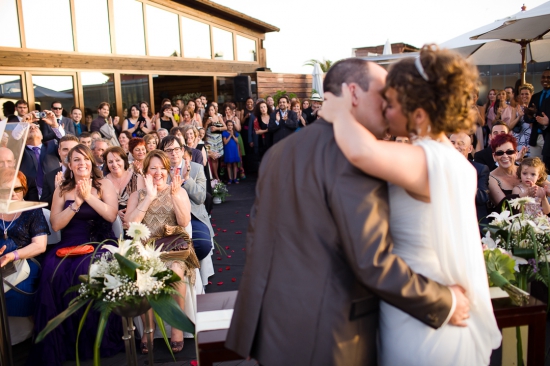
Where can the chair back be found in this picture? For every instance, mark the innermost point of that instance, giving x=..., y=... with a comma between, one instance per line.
x=55, y=236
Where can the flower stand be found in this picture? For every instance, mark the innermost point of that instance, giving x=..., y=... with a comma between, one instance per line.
x=128, y=313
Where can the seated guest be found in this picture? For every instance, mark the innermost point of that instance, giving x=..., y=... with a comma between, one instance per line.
x=504, y=178
x=54, y=178
x=192, y=139
x=25, y=237
x=138, y=151
x=150, y=142
x=162, y=132
x=98, y=148
x=124, y=180
x=83, y=208
x=463, y=143
x=179, y=132
x=485, y=156
x=123, y=140
x=85, y=139
x=158, y=205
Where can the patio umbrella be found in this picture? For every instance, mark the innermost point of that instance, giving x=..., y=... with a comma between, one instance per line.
x=520, y=38
x=317, y=80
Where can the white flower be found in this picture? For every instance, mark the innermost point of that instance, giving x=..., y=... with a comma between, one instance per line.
x=144, y=281
x=138, y=231
x=123, y=247
x=518, y=262
x=487, y=240
x=499, y=217
x=111, y=282
x=149, y=251
x=518, y=203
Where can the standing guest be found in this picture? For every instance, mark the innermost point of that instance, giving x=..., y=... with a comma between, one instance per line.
x=179, y=133
x=282, y=122
x=96, y=135
x=510, y=96
x=231, y=151
x=85, y=138
x=22, y=108
x=463, y=144
x=188, y=119
x=176, y=113
x=204, y=101
x=504, y=111
x=150, y=142
x=65, y=122
x=146, y=115
x=102, y=119
x=262, y=112
x=504, y=178
x=76, y=116
x=84, y=207
x=270, y=102
x=295, y=106
x=202, y=135
x=194, y=111
x=162, y=133
x=166, y=119
x=199, y=108
x=522, y=130
x=485, y=156
x=192, y=139
x=489, y=108
x=166, y=101
x=88, y=119
x=54, y=178
x=305, y=104
x=247, y=125
x=214, y=126
x=124, y=140
x=312, y=112
x=98, y=148
x=125, y=181
x=538, y=102
x=135, y=123
x=477, y=129
x=138, y=152
x=230, y=115
x=180, y=104
x=8, y=109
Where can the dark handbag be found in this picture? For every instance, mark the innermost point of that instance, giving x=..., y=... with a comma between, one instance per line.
x=176, y=243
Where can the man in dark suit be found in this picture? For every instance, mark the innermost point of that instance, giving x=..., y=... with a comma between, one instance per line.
x=485, y=156
x=283, y=121
x=319, y=252
x=39, y=157
x=22, y=108
x=7, y=160
x=54, y=177
x=104, y=118
x=64, y=122
x=539, y=129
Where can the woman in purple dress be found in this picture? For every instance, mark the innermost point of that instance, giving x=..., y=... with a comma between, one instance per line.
x=83, y=208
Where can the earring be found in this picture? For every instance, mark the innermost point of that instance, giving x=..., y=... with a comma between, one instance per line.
x=71, y=174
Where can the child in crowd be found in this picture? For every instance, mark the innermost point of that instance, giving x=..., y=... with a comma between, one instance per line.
x=231, y=151
x=532, y=174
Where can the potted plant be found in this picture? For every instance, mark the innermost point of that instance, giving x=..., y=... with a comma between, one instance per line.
x=219, y=191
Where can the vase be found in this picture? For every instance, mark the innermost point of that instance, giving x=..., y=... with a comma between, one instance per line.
x=132, y=310
x=217, y=200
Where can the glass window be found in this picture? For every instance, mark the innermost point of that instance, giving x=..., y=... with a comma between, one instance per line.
x=196, y=39
x=48, y=89
x=98, y=88
x=246, y=49
x=92, y=26
x=162, y=32
x=135, y=89
x=223, y=44
x=10, y=24
x=57, y=34
x=225, y=90
x=10, y=92
x=129, y=30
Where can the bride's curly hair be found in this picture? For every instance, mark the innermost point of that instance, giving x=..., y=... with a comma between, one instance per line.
x=446, y=95
x=69, y=182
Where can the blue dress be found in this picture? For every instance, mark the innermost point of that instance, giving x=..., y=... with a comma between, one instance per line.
x=231, y=149
x=29, y=225
x=57, y=276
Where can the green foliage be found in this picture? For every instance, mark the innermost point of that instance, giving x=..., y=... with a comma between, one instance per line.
x=162, y=328
x=496, y=261
x=185, y=97
x=279, y=94
x=169, y=311
x=52, y=324
x=127, y=267
x=325, y=64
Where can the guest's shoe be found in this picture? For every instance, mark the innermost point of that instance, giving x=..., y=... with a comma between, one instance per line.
x=236, y=181
x=143, y=347
x=229, y=182
x=176, y=346
x=242, y=176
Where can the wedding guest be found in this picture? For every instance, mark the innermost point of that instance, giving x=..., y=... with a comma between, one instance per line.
x=189, y=119
x=402, y=139
x=485, y=156
x=231, y=151
x=124, y=140
x=214, y=126
x=270, y=102
x=489, y=108
x=230, y=115
x=162, y=133
x=522, y=130
x=166, y=119
x=135, y=123
x=96, y=135
x=194, y=112
x=151, y=142
x=85, y=138
x=504, y=178
x=262, y=112
x=540, y=102
x=66, y=123
x=83, y=208
x=76, y=116
x=305, y=104
x=98, y=147
x=532, y=174
x=295, y=106
x=312, y=111
x=192, y=139
x=159, y=205
x=103, y=119
x=176, y=113
x=283, y=121
x=88, y=119
x=146, y=115
x=138, y=151
x=200, y=108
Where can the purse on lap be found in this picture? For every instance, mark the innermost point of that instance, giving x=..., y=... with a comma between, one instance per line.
x=22, y=272
x=176, y=243
x=74, y=251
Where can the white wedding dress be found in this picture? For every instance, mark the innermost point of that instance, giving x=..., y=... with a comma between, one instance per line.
x=441, y=241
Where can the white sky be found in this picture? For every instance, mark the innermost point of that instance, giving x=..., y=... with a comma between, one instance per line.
x=330, y=29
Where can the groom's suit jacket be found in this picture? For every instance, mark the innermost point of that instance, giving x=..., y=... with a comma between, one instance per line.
x=319, y=260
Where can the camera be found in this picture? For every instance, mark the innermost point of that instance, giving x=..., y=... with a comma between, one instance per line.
x=40, y=115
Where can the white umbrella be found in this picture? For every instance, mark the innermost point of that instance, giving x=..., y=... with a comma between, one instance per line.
x=317, y=80
x=387, y=48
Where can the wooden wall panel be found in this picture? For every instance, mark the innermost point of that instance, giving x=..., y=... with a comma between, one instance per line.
x=269, y=83
x=170, y=86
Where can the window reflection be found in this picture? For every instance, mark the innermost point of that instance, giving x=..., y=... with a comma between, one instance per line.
x=48, y=89
x=162, y=32
x=54, y=34
x=129, y=30
x=225, y=89
x=246, y=49
x=98, y=88
x=92, y=26
x=135, y=88
x=196, y=39
x=10, y=92
x=10, y=24
x=223, y=44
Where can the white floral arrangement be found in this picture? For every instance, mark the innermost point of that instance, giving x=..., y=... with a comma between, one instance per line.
x=219, y=189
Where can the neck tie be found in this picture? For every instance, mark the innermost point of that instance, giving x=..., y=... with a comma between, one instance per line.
x=39, y=172
x=545, y=94
x=59, y=121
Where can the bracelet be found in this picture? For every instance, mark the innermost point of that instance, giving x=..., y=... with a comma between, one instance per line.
x=73, y=209
x=140, y=209
x=15, y=255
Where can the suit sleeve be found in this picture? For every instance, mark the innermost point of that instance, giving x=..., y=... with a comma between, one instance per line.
x=47, y=132
x=32, y=193
x=273, y=126
x=292, y=121
x=47, y=191
x=196, y=187
x=360, y=209
x=94, y=126
x=482, y=193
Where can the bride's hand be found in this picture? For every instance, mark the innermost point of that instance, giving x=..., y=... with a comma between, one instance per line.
x=462, y=309
x=334, y=106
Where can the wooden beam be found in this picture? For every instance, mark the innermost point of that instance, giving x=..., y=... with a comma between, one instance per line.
x=73, y=24
x=212, y=53
x=21, y=24
x=145, y=34
x=180, y=27
x=215, y=88
x=111, y=11
x=30, y=91
x=151, y=94
x=118, y=94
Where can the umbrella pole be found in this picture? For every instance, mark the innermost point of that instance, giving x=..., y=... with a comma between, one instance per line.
x=523, y=60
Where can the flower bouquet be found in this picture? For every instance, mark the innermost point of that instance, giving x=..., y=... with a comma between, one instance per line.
x=219, y=190
x=129, y=279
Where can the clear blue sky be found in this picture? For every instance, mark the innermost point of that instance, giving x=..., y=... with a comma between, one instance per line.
x=330, y=29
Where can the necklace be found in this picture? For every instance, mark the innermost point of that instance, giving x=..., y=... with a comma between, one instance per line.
x=4, y=224
x=117, y=181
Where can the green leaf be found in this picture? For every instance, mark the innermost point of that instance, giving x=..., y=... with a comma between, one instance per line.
x=162, y=328
x=99, y=336
x=498, y=263
x=525, y=253
x=169, y=310
x=127, y=266
x=54, y=323
x=82, y=320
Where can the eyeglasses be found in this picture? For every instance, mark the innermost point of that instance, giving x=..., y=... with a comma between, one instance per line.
x=176, y=150
x=15, y=190
x=57, y=108
x=507, y=152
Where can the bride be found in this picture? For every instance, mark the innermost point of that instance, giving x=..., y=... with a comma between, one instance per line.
x=431, y=191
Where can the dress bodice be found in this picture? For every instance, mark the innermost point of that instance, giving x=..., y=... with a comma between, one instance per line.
x=87, y=224
x=160, y=212
x=21, y=230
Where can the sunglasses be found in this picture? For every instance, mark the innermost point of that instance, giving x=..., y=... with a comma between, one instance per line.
x=507, y=152
x=57, y=108
x=15, y=190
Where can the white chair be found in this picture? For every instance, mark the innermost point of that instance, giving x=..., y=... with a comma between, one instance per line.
x=55, y=236
x=117, y=227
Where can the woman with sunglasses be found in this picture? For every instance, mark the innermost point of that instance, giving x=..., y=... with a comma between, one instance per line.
x=503, y=179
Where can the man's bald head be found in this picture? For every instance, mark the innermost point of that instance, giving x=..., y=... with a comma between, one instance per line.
x=7, y=159
x=462, y=142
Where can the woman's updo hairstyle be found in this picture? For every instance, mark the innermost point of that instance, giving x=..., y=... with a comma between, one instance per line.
x=442, y=83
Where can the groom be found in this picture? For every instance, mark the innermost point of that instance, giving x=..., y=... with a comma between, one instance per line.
x=319, y=252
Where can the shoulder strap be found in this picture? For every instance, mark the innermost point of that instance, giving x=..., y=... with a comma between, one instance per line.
x=498, y=181
x=19, y=290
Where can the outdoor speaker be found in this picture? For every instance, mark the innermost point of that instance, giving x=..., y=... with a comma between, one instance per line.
x=241, y=88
